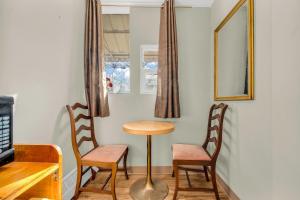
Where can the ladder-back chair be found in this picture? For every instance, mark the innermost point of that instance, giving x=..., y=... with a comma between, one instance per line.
x=104, y=158
x=197, y=158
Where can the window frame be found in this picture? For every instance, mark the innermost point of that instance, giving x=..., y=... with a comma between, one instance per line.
x=113, y=10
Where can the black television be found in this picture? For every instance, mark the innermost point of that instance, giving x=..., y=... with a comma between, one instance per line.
x=6, y=130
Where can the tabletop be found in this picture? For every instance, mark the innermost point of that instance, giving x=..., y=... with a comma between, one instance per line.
x=148, y=127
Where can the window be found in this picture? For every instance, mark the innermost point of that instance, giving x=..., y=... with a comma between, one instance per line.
x=116, y=42
x=149, y=64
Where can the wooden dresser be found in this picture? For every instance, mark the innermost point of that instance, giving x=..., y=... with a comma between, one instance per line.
x=36, y=173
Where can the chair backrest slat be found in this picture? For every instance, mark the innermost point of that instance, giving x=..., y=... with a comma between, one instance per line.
x=84, y=139
x=83, y=127
x=216, y=128
x=221, y=105
x=79, y=105
x=214, y=140
x=75, y=132
x=81, y=116
x=217, y=116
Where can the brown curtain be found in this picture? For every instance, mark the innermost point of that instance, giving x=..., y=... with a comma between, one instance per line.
x=167, y=99
x=95, y=82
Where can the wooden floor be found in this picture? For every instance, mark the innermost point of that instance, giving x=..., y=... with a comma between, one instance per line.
x=123, y=185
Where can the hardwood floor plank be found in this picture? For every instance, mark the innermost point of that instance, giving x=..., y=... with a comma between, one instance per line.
x=123, y=185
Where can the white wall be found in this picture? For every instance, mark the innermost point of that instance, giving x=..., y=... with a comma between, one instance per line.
x=285, y=99
x=41, y=59
x=260, y=158
x=246, y=156
x=194, y=66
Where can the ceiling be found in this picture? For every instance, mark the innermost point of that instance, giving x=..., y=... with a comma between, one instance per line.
x=192, y=3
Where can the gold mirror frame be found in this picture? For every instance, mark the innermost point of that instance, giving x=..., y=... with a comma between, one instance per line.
x=250, y=95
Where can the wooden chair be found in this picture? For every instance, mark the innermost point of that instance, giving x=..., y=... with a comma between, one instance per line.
x=197, y=158
x=104, y=158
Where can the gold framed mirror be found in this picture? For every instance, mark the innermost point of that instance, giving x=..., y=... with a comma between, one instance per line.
x=234, y=54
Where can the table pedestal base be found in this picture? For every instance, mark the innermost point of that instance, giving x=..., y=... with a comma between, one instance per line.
x=140, y=191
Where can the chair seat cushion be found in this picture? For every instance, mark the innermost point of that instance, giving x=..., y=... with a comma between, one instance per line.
x=106, y=154
x=189, y=152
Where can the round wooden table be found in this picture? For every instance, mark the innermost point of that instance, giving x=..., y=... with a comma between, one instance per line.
x=146, y=188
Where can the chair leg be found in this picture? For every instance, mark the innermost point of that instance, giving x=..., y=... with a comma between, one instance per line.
x=206, y=173
x=113, y=181
x=214, y=181
x=125, y=164
x=173, y=174
x=78, y=182
x=175, y=170
x=94, y=173
x=188, y=178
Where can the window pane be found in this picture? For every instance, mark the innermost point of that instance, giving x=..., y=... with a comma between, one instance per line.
x=117, y=65
x=118, y=76
x=149, y=64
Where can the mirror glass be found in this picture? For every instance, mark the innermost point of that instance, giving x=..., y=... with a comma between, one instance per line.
x=232, y=50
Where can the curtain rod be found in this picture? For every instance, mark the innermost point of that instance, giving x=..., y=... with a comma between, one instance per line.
x=140, y=6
